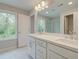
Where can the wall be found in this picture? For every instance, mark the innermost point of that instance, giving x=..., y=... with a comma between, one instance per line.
x=75, y=23
x=8, y=45
x=6, y=8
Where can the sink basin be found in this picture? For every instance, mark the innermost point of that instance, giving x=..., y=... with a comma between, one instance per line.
x=68, y=41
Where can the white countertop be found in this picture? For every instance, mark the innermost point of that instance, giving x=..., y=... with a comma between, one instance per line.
x=58, y=40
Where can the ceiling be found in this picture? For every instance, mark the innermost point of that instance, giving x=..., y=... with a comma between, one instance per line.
x=54, y=9
x=59, y=6
x=23, y=4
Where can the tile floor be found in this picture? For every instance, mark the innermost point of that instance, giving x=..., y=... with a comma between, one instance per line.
x=20, y=53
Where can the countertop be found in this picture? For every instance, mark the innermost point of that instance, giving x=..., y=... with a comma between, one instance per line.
x=58, y=40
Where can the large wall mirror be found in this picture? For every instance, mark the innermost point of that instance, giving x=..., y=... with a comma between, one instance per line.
x=59, y=17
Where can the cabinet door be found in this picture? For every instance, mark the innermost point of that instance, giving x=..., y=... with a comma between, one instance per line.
x=62, y=51
x=53, y=55
x=33, y=48
x=31, y=45
x=40, y=52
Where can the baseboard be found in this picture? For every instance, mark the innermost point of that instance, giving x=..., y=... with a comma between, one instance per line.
x=7, y=49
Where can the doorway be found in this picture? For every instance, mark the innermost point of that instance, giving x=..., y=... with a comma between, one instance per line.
x=68, y=24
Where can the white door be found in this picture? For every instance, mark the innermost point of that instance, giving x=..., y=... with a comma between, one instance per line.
x=23, y=29
x=53, y=55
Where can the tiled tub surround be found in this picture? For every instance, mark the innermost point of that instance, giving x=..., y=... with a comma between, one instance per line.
x=48, y=47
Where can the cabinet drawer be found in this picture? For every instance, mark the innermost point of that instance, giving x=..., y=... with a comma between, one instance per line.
x=31, y=42
x=62, y=51
x=41, y=43
x=40, y=52
x=52, y=55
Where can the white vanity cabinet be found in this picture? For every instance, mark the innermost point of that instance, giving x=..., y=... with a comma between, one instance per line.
x=53, y=55
x=31, y=46
x=40, y=52
x=56, y=52
x=40, y=49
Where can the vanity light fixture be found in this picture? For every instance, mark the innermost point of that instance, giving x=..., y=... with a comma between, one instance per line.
x=43, y=3
x=36, y=8
x=41, y=6
x=70, y=3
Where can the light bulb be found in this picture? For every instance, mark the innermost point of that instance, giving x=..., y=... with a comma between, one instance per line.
x=36, y=8
x=70, y=3
x=39, y=6
x=43, y=3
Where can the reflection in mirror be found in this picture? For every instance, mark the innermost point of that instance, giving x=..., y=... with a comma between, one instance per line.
x=41, y=24
x=68, y=24
x=59, y=17
x=48, y=24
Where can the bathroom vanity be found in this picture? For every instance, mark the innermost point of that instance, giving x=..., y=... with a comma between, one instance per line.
x=56, y=19
x=43, y=46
